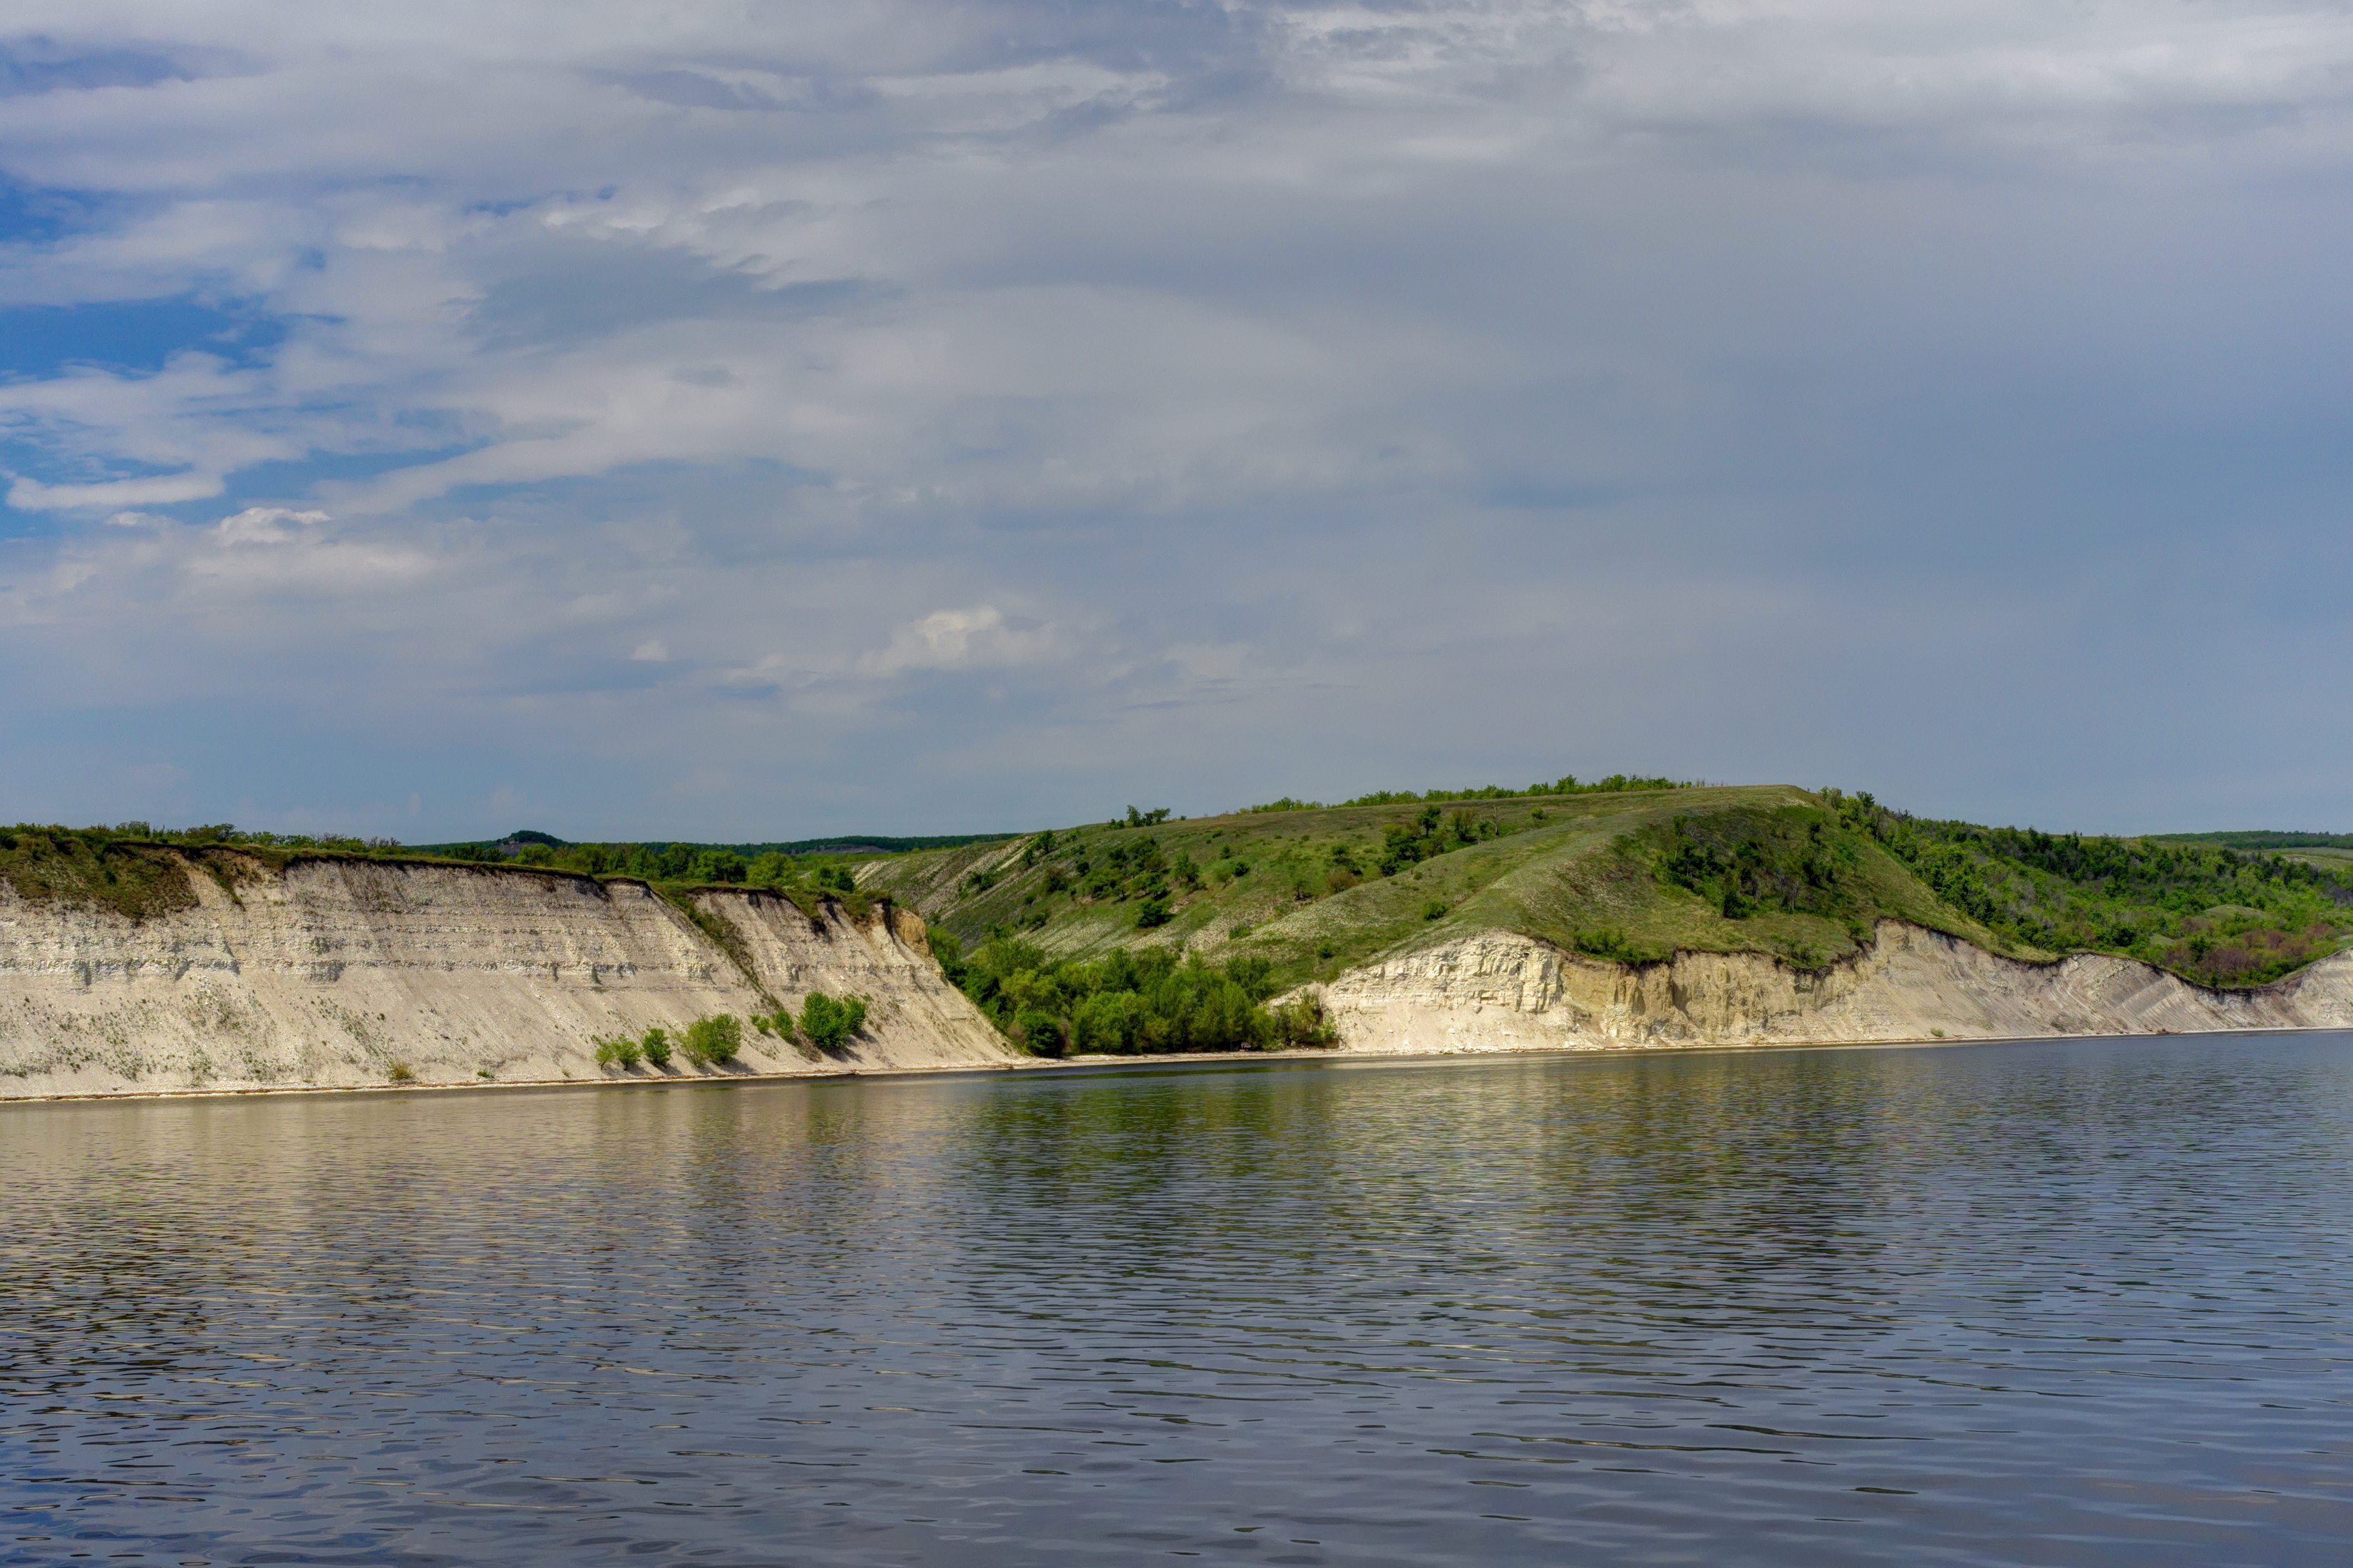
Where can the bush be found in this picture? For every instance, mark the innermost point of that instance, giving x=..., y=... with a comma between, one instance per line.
x=1152, y=912
x=1433, y=909
x=1607, y=942
x=656, y=1046
x=713, y=1041
x=619, y=1051
x=400, y=1072
x=1040, y=1032
x=827, y=1024
x=1303, y=1024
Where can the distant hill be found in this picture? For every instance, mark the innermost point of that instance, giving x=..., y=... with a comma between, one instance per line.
x=848, y=844
x=2263, y=839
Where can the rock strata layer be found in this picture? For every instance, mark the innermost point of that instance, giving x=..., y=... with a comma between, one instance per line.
x=347, y=973
x=1500, y=991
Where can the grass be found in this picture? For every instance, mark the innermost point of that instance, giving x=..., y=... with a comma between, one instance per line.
x=1633, y=876
x=1304, y=887
x=90, y=867
x=2217, y=914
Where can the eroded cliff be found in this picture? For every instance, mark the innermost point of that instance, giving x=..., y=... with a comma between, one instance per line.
x=1500, y=991
x=331, y=972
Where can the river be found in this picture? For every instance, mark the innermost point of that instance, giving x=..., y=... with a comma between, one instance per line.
x=2079, y=1302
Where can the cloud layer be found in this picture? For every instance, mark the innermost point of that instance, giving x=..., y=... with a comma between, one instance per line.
x=783, y=419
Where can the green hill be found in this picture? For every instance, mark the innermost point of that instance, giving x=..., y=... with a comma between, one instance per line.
x=1631, y=875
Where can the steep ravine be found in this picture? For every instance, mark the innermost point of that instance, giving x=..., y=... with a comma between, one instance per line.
x=328, y=972
x=1501, y=990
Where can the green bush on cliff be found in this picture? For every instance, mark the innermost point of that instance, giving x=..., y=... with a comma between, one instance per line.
x=712, y=1042
x=827, y=1022
x=656, y=1046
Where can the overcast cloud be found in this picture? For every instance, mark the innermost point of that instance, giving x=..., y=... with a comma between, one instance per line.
x=757, y=421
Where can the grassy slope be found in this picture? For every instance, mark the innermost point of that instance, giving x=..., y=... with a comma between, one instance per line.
x=1561, y=869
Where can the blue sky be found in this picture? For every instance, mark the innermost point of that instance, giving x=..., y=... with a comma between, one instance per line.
x=777, y=420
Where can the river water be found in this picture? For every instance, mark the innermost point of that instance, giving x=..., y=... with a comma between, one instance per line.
x=2054, y=1302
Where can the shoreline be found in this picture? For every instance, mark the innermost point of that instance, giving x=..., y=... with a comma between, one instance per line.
x=1091, y=1063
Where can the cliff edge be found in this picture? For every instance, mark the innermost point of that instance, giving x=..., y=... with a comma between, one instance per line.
x=1499, y=990
x=335, y=972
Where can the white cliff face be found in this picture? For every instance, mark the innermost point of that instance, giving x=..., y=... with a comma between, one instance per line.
x=331, y=972
x=1500, y=991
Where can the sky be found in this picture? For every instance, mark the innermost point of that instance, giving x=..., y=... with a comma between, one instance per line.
x=758, y=421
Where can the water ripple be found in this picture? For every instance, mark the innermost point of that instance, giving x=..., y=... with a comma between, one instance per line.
x=2061, y=1303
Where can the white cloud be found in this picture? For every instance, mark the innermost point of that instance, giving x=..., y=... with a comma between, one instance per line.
x=1191, y=352
x=265, y=525
x=31, y=495
x=958, y=639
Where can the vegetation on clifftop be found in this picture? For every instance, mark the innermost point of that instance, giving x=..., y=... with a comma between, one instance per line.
x=1625, y=874
x=93, y=865
x=2218, y=915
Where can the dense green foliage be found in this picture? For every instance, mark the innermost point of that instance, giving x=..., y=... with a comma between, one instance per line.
x=1790, y=862
x=2218, y=915
x=712, y=1042
x=1129, y=1002
x=93, y=865
x=1567, y=785
x=827, y=1022
x=1403, y=844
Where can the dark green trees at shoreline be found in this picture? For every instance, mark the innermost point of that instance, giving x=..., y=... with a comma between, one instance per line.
x=1129, y=1002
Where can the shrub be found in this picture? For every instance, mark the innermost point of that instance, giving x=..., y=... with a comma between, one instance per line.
x=1433, y=909
x=619, y=1051
x=713, y=1041
x=1303, y=1023
x=1607, y=942
x=1040, y=1032
x=400, y=1072
x=827, y=1024
x=656, y=1046
x=1152, y=912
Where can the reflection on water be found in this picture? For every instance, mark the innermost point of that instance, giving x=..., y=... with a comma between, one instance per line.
x=2076, y=1303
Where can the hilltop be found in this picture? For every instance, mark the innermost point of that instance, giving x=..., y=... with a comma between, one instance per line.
x=1633, y=875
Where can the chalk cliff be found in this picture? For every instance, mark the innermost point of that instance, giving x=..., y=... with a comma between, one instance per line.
x=1499, y=991
x=330, y=972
